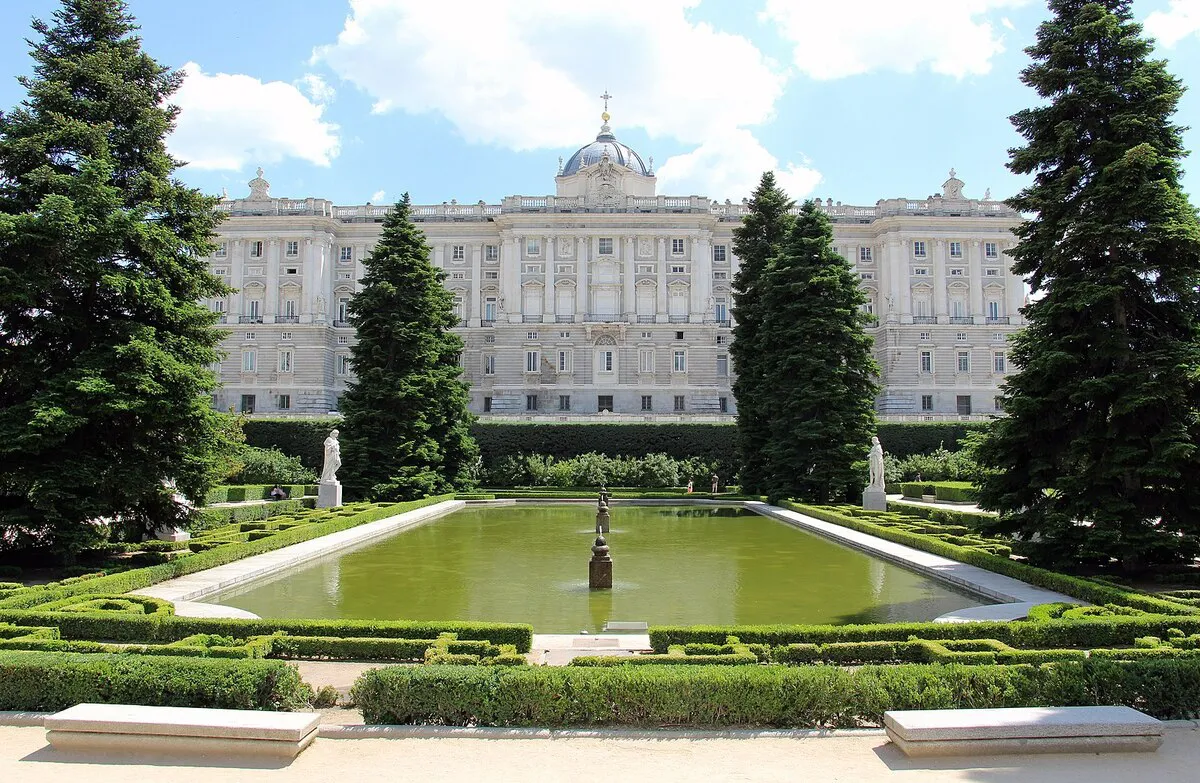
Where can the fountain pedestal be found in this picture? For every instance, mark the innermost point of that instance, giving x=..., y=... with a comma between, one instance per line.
x=600, y=566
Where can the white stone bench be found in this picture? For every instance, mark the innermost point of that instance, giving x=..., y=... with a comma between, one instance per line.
x=185, y=730
x=1022, y=730
x=626, y=626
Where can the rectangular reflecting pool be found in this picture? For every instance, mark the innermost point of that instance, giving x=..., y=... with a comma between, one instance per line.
x=528, y=563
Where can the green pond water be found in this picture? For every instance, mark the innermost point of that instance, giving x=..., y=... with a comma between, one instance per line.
x=671, y=565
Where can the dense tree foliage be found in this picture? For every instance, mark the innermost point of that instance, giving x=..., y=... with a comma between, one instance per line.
x=755, y=242
x=105, y=348
x=817, y=394
x=407, y=425
x=1099, y=456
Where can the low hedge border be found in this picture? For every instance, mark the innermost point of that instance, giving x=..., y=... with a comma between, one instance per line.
x=144, y=577
x=48, y=682
x=236, y=493
x=781, y=696
x=945, y=491
x=945, y=516
x=1085, y=589
x=214, y=517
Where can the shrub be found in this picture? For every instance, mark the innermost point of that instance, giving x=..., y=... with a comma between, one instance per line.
x=955, y=491
x=270, y=466
x=48, y=682
x=236, y=493
x=326, y=696
x=812, y=696
x=913, y=489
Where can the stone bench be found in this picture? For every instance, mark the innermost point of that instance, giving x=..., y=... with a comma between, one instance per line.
x=185, y=730
x=626, y=626
x=1022, y=730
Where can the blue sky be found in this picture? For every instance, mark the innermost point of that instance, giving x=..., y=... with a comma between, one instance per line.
x=360, y=100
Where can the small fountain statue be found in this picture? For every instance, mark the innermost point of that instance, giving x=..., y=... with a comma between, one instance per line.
x=874, y=497
x=600, y=566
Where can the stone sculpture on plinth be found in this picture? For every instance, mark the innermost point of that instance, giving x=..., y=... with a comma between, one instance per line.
x=600, y=566
x=875, y=496
x=329, y=491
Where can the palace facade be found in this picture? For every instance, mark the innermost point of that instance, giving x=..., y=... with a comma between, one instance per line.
x=609, y=300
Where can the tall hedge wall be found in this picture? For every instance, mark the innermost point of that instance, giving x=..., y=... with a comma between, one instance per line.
x=303, y=438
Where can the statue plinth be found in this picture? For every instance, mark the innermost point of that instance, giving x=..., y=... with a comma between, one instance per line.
x=600, y=566
x=874, y=500
x=329, y=494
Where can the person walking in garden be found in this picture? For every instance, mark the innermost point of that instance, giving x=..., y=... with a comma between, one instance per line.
x=715, y=483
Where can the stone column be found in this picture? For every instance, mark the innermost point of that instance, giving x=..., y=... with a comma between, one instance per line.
x=311, y=285
x=324, y=263
x=660, y=307
x=902, y=280
x=628, y=305
x=581, y=279
x=548, y=281
x=510, y=279
x=237, y=269
x=702, y=275
x=975, y=257
x=439, y=255
x=1014, y=291
x=271, y=298
x=940, y=308
x=477, y=275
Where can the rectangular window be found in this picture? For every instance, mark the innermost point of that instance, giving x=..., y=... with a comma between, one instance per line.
x=491, y=274
x=342, y=339
x=491, y=253
x=678, y=269
x=921, y=270
x=721, y=339
x=222, y=251
x=221, y=271
x=864, y=254
x=999, y=362
x=957, y=271
x=679, y=361
x=343, y=364
x=866, y=275
x=918, y=248
x=247, y=403
x=964, y=361
x=647, y=402
x=565, y=269
x=720, y=309
x=991, y=250
x=284, y=402
x=926, y=336
x=956, y=249
x=489, y=364
x=343, y=309
x=292, y=248
x=679, y=403
x=993, y=309
x=564, y=361
x=458, y=275
x=722, y=365
x=249, y=335
x=927, y=361
x=679, y=335
x=487, y=404
x=218, y=306
x=998, y=404
x=604, y=361
x=291, y=270
x=489, y=309
x=256, y=249
x=723, y=403
x=285, y=336
x=926, y=402
x=676, y=247
x=533, y=269
x=991, y=273
x=564, y=402
x=533, y=360
x=285, y=361
x=960, y=336
x=964, y=404
x=346, y=253
x=531, y=402
x=564, y=335
x=255, y=308
x=720, y=254
x=533, y=247
x=249, y=361
x=604, y=403
x=646, y=360
x=645, y=269
x=606, y=246
x=720, y=275
x=531, y=335
x=958, y=308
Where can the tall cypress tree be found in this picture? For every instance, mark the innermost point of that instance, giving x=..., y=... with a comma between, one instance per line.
x=104, y=347
x=406, y=411
x=1100, y=453
x=755, y=242
x=818, y=377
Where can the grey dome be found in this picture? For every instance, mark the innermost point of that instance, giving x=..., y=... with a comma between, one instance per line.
x=605, y=143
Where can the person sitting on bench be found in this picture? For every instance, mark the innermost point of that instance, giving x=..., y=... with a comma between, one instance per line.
x=278, y=493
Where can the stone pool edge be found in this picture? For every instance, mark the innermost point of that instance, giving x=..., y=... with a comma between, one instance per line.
x=184, y=590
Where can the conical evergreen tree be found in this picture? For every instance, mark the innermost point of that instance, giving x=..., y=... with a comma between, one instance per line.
x=1099, y=456
x=755, y=242
x=104, y=348
x=818, y=377
x=406, y=412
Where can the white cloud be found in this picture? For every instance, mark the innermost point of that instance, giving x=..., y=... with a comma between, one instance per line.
x=317, y=88
x=378, y=196
x=833, y=40
x=729, y=166
x=229, y=121
x=526, y=76
x=1178, y=22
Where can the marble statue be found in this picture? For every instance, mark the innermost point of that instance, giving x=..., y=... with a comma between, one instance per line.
x=875, y=460
x=333, y=458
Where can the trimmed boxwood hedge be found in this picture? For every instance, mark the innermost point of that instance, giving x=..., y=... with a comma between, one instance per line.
x=801, y=697
x=48, y=682
x=1086, y=589
x=236, y=493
